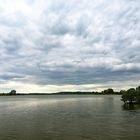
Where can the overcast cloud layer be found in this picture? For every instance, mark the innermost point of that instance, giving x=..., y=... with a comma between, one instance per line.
x=72, y=44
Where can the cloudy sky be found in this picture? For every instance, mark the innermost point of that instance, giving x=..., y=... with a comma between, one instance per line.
x=59, y=45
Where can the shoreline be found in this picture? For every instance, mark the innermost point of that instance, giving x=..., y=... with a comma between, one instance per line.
x=54, y=94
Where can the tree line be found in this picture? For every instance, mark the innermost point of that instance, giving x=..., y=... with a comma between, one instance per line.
x=130, y=96
x=12, y=92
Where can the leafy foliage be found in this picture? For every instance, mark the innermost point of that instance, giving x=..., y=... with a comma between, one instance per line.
x=131, y=95
x=12, y=92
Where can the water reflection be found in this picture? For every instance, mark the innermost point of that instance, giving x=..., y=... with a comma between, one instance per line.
x=67, y=117
x=131, y=107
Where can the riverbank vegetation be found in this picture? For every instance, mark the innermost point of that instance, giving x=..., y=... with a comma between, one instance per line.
x=130, y=96
x=105, y=92
x=12, y=92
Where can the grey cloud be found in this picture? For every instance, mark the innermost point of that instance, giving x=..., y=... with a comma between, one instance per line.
x=10, y=77
x=74, y=42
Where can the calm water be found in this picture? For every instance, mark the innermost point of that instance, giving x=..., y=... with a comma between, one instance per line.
x=70, y=117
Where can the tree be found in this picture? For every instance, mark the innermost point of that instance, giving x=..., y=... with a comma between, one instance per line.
x=138, y=89
x=124, y=96
x=138, y=94
x=129, y=95
x=108, y=91
x=12, y=92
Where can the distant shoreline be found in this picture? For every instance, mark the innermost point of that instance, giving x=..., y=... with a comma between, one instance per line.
x=19, y=94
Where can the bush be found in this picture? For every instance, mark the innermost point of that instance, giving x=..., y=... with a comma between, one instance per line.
x=12, y=92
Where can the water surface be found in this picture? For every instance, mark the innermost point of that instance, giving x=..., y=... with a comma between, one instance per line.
x=70, y=117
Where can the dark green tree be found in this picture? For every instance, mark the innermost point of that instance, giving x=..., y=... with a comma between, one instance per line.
x=129, y=96
x=124, y=96
x=12, y=92
x=138, y=94
x=108, y=91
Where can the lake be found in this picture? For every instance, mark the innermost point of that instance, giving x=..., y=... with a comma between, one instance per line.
x=67, y=117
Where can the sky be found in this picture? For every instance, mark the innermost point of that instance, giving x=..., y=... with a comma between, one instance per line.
x=77, y=45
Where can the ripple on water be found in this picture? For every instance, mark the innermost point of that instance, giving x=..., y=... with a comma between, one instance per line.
x=67, y=118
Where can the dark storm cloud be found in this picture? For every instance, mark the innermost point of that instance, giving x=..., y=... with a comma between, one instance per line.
x=74, y=42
